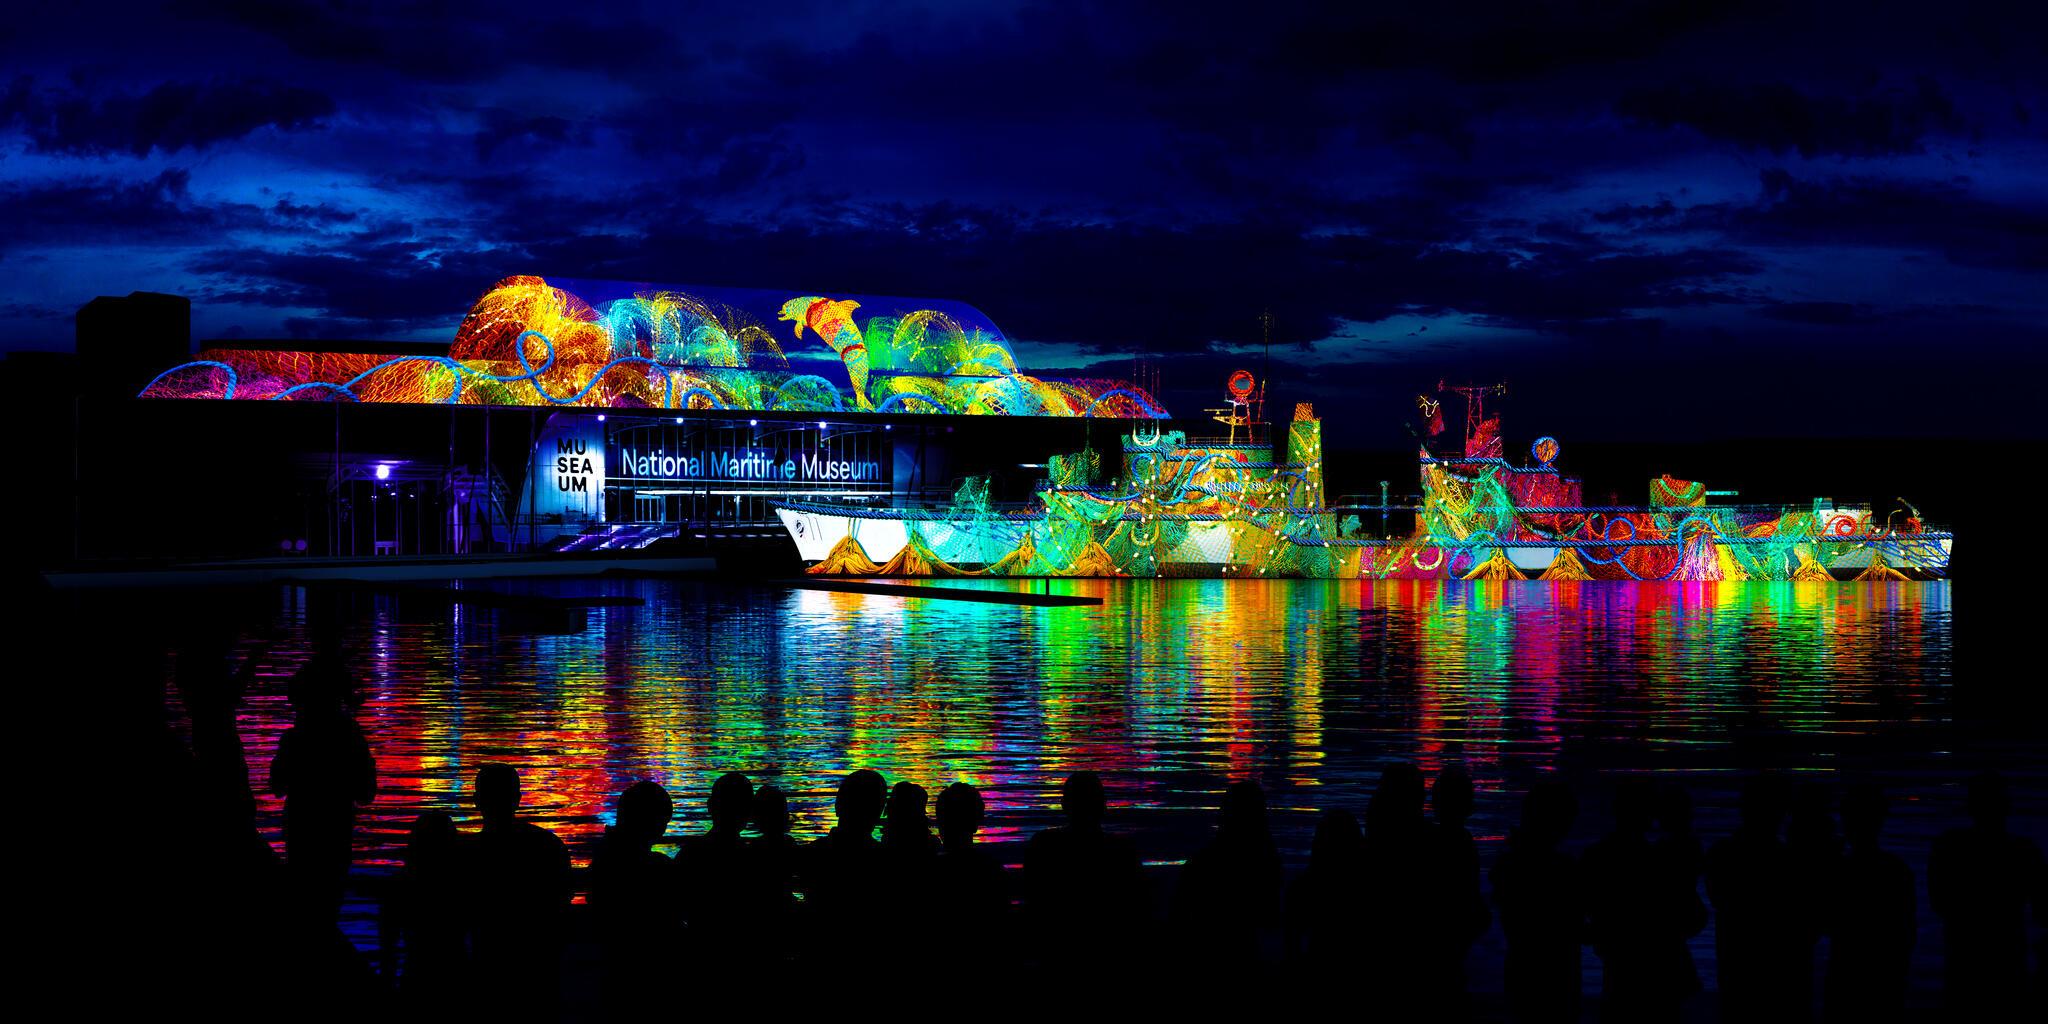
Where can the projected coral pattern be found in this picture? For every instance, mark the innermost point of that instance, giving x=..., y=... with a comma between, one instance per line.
x=1184, y=508
x=528, y=342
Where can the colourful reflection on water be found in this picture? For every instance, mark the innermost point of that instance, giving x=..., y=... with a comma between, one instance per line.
x=1169, y=687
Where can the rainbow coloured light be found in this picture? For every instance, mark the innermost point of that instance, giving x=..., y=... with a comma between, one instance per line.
x=528, y=342
x=1182, y=508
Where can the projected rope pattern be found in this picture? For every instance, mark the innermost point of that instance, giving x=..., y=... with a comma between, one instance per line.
x=1181, y=508
x=527, y=343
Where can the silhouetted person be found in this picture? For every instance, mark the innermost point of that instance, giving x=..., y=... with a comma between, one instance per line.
x=1980, y=880
x=519, y=892
x=1542, y=910
x=771, y=864
x=424, y=919
x=1405, y=909
x=224, y=806
x=1082, y=885
x=635, y=902
x=713, y=871
x=1630, y=927
x=1464, y=915
x=843, y=881
x=1679, y=861
x=1870, y=918
x=906, y=831
x=1757, y=927
x=1230, y=887
x=971, y=893
x=908, y=848
x=1814, y=852
x=322, y=769
x=970, y=897
x=1326, y=905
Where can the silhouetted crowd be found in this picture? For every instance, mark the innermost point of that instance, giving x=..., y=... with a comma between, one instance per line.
x=900, y=899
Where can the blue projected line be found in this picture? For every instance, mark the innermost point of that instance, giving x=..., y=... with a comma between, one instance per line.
x=1151, y=411
x=898, y=398
x=233, y=377
x=461, y=370
x=838, y=403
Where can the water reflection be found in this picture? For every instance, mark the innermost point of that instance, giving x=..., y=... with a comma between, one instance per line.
x=1169, y=687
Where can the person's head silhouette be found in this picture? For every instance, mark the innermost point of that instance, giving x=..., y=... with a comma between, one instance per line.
x=732, y=799
x=1398, y=799
x=859, y=805
x=497, y=794
x=1548, y=811
x=1762, y=805
x=1863, y=812
x=644, y=813
x=1244, y=812
x=313, y=696
x=1989, y=801
x=960, y=813
x=1674, y=810
x=771, y=811
x=1337, y=839
x=1451, y=797
x=906, y=811
x=1083, y=801
x=1635, y=806
x=430, y=841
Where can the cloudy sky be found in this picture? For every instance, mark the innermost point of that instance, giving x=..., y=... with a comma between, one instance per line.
x=1670, y=220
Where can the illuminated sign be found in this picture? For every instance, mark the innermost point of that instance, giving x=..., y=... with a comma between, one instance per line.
x=576, y=465
x=745, y=465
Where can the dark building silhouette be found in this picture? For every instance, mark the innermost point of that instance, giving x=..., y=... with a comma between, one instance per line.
x=123, y=342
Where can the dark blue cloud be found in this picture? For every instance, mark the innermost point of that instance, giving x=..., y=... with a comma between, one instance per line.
x=169, y=117
x=1781, y=118
x=1670, y=201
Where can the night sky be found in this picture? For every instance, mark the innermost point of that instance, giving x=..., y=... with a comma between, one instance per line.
x=1659, y=221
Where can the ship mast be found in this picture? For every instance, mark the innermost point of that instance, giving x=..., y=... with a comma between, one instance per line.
x=1475, y=406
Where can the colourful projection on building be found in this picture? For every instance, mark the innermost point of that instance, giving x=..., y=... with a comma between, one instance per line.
x=630, y=346
x=1184, y=508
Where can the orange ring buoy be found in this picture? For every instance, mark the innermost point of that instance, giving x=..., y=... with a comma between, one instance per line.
x=1842, y=526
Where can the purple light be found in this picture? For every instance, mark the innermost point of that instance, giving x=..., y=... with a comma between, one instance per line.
x=600, y=417
x=383, y=471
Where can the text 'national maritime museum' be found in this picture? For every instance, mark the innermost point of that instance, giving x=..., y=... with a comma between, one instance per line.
x=582, y=415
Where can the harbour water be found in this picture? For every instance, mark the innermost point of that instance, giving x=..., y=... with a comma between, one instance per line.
x=1171, y=689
